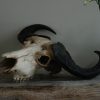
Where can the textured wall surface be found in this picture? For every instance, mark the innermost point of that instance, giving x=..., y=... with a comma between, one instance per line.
x=78, y=26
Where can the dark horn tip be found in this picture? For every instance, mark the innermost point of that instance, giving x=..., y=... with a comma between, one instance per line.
x=97, y=52
x=44, y=26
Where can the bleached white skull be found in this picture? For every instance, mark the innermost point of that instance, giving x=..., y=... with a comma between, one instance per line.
x=26, y=64
x=28, y=59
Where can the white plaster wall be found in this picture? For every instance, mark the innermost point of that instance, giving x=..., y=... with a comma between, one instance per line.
x=77, y=26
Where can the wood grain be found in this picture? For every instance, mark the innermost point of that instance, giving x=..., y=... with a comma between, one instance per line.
x=55, y=88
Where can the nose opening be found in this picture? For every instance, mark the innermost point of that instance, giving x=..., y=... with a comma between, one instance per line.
x=9, y=62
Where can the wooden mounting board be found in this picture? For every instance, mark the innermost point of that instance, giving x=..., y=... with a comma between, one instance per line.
x=45, y=87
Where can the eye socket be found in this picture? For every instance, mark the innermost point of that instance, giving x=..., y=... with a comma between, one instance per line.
x=43, y=60
x=29, y=41
x=44, y=48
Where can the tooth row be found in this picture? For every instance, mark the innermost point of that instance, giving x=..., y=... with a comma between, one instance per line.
x=20, y=78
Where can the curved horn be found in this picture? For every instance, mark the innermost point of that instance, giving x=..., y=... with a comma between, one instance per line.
x=62, y=55
x=30, y=31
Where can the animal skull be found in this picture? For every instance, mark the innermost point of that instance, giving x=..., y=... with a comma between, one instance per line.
x=26, y=61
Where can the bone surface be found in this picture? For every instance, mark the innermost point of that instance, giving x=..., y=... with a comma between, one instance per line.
x=36, y=39
x=26, y=64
